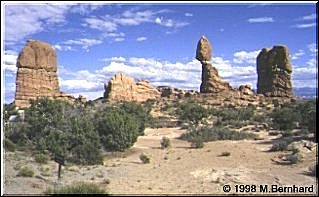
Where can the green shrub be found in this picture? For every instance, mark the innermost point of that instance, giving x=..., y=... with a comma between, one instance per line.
x=117, y=128
x=25, y=172
x=9, y=145
x=284, y=118
x=60, y=128
x=144, y=158
x=239, y=114
x=197, y=142
x=295, y=158
x=141, y=114
x=78, y=188
x=192, y=112
x=207, y=134
x=279, y=146
x=165, y=142
x=42, y=158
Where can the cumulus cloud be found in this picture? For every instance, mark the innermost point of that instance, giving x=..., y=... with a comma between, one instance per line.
x=10, y=60
x=140, y=39
x=312, y=48
x=119, y=39
x=261, y=20
x=245, y=57
x=297, y=54
x=85, y=43
x=115, y=59
x=84, y=9
x=110, y=23
x=188, y=14
x=100, y=24
x=31, y=19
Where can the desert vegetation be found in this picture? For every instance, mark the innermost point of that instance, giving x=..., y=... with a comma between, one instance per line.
x=86, y=135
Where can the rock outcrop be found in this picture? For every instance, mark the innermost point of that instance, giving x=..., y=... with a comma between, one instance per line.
x=176, y=93
x=37, y=74
x=274, y=72
x=246, y=89
x=123, y=88
x=211, y=81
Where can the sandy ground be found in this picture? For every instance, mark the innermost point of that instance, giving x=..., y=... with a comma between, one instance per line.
x=177, y=170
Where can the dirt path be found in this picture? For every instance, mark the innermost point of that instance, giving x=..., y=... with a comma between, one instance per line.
x=177, y=170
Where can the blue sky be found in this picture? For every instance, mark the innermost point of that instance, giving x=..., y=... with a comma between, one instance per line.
x=157, y=42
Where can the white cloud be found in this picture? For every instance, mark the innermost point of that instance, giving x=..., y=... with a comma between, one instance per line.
x=110, y=23
x=63, y=47
x=78, y=84
x=188, y=14
x=100, y=24
x=22, y=21
x=115, y=59
x=85, y=43
x=245, y=57
x=10, y=61
x=170, y=22
x=308, y=17
x=306, y=25
x=140, y=39
x=297, y=54
x=261, y=20
x=313, y=48
x=84, y=9
x=119, y=39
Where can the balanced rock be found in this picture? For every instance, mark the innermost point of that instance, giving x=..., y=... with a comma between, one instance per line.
x=36, y=75
x=274, y=72
x=211, y=81
x=123, y=88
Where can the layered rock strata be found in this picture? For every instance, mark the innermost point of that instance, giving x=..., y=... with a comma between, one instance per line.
x=211, y=81
x=123, y=88
x=274, y=72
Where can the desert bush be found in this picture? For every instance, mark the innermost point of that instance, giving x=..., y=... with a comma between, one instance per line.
x=192, y=112
x=60, y=128
x=239, y=114
x=162, y=122
x=78, y=188
x=144, y=158
x=206, y=134
x=117, y=128
x=140, y=113
x=9, y=109
x=25, y=172
x=41, y=158
x=284, y=118
x=279, y=146
x=197, y=142
x=165, y=142
x=9, y=145
x=295, y=158
x=307, y=111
